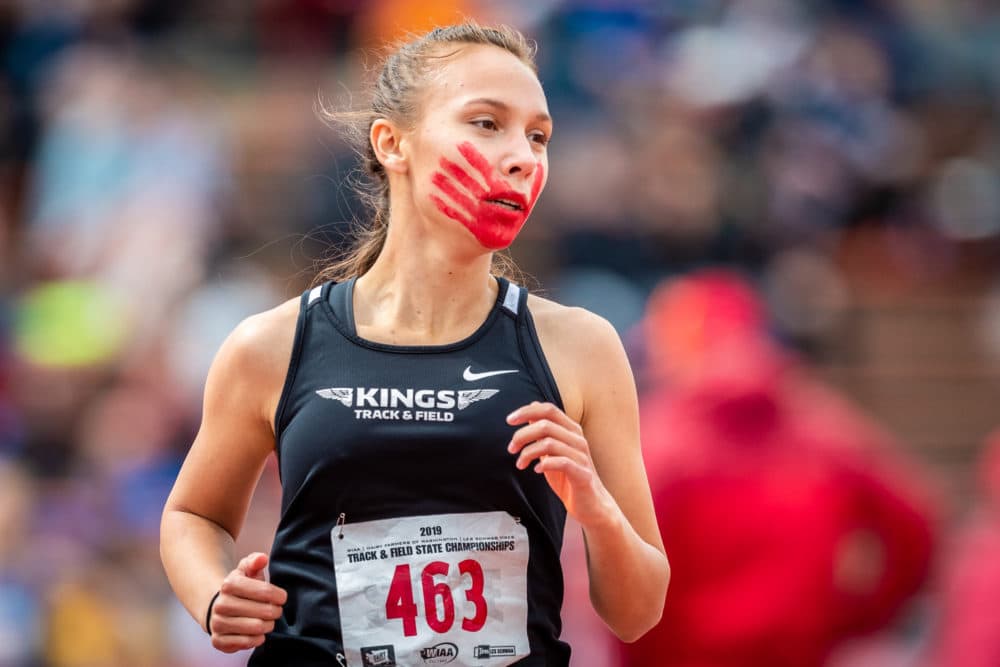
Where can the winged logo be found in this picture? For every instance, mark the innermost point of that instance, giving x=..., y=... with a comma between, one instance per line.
x=343, y=394
x=467, y=397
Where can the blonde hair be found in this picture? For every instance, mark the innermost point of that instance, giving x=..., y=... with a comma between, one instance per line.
x=395, y=96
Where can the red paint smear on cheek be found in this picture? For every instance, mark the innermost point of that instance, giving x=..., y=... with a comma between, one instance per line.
x=536, y=186
x=493, y=225
x=479, y=161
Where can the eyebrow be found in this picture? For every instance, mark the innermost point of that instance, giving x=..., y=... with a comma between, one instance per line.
x=503, y=106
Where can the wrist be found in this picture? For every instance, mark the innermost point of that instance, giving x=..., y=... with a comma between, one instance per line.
x=208, y=612
x=609, y=521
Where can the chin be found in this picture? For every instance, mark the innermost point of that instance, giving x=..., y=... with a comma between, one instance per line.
x=496, y=235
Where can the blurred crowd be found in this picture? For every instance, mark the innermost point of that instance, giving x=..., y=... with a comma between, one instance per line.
x=751, y=191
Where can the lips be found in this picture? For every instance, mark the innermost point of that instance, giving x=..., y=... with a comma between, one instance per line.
x=506, y=204
x=508, y=199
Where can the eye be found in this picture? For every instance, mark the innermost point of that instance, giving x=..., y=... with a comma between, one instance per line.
x=539, y=138
x=486, y=124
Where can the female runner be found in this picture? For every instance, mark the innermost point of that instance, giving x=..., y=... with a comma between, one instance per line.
x=433, y=422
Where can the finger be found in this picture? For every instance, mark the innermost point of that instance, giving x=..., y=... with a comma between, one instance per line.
x=241, y=625
x=448, y=187
x=237, y=585
x=253, y=565
x=545, y=428
x=462, y=176
x=536, y=185
x=450, y=210
x=234, y=643
x=535, y=411
x=476, y=159
x=577, y=474
x=548, y=447
x=233, y=606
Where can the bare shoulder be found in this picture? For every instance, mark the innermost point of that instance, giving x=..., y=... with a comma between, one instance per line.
x=254, y=358
x=261, y=333
x=571, y=326
x=265, y=339
x=579, y=346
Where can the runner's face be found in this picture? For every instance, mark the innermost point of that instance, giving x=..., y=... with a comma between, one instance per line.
x=478, y=151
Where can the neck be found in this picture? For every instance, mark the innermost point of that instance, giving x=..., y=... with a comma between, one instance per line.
x=422, y=291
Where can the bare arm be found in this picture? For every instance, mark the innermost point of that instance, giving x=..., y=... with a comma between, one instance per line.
x=207, y=506
x=591, y=457
x=629, y=572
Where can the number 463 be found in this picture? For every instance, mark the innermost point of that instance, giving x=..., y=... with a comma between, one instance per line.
x=400, y=603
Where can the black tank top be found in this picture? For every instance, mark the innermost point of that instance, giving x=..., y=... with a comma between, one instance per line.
x=407, y=535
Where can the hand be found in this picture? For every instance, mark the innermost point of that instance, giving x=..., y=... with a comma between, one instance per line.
x=246, y=608
x=563, y=457
x=475, y=206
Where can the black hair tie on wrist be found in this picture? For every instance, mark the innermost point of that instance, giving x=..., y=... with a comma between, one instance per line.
x=208, y=614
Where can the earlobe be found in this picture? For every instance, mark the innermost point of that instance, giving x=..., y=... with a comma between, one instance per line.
x=387, y=142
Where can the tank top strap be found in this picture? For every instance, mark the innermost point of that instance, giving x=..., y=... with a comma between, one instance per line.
x=339, y=296
x=313, y=295
x=511, y=297
x=514, y=304
x=307, y=301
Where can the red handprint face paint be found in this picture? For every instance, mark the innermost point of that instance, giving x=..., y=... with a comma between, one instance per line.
x=495, y=213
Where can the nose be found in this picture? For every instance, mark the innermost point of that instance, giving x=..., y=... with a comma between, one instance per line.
x=519, y=159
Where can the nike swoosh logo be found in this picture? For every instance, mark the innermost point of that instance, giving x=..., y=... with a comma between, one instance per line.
x=469, y=376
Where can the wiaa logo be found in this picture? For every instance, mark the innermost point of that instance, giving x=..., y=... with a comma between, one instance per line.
x=439, y=653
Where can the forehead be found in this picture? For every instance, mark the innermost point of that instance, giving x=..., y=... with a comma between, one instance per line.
x=474, y=71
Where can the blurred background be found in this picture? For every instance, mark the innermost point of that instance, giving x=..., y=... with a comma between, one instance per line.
x=790, y=212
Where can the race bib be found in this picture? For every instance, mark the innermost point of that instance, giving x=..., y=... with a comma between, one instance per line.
x=428, y=590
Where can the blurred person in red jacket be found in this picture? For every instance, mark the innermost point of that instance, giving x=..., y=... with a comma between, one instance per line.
x=791, y=520
x=968, y=630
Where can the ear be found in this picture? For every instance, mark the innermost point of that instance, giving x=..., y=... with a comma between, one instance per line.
x=386, y=139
